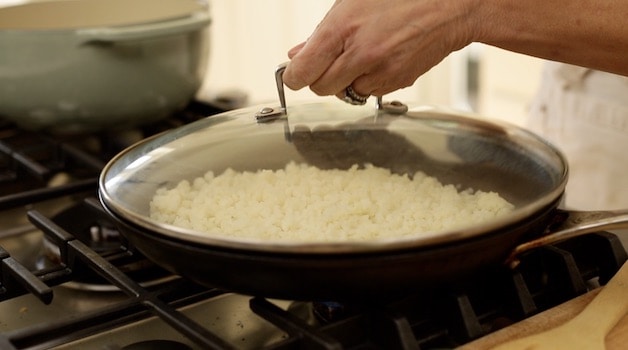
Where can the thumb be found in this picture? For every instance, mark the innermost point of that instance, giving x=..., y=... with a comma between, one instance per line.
x=295, y=50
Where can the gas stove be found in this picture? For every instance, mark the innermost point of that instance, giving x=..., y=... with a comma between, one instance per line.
x=70, y=280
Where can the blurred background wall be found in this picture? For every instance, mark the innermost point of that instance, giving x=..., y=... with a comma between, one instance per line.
x=249, y=38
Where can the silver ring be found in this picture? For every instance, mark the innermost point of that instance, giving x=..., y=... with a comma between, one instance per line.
x=353, y=98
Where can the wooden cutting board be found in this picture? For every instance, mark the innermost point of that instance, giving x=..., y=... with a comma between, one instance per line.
x=617, y=339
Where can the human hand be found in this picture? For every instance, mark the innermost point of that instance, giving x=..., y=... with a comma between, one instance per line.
x=377, y=46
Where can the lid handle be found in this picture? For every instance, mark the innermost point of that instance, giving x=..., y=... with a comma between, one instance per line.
x=268, y=114
x=280, y=89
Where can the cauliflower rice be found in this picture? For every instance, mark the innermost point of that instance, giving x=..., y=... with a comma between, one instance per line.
x=304, y=203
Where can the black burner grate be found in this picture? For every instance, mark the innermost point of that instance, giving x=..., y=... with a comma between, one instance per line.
x=28, y=162
x=440, y=319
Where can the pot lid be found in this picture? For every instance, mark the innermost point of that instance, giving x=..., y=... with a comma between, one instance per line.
x=457, y=148
x=72, y=14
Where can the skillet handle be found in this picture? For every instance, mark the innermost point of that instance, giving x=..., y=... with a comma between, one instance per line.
x=572, y=224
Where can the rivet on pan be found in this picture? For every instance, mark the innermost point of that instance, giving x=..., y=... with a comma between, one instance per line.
x=395, y=107
x=267, y=114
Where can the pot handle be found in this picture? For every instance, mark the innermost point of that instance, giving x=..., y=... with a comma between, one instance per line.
x=145, y=31
x=571, y=223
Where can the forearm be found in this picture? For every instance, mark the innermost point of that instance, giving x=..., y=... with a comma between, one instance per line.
x=590, y=33
x=377, y=47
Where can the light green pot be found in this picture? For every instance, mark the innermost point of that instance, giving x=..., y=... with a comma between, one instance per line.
x=101, y=77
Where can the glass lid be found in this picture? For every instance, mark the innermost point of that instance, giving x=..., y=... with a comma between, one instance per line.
x=341, y=160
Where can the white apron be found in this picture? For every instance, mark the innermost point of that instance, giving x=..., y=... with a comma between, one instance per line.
x=585, y=114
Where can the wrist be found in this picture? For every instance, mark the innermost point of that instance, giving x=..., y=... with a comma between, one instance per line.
x=476, y=20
